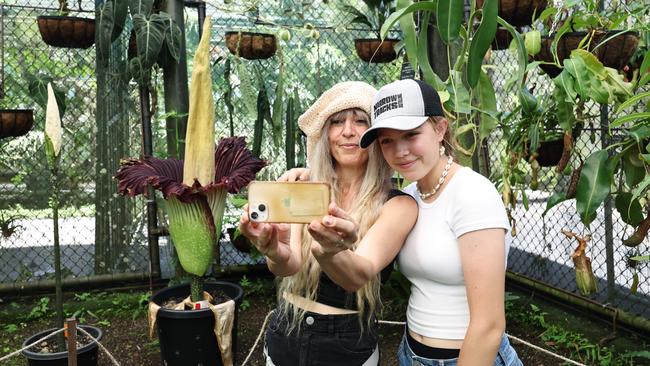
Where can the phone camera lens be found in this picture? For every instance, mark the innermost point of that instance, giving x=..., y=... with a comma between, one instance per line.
x=262, y=207
x=254, y=215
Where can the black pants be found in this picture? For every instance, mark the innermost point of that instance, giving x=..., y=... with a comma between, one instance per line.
x=323, y=340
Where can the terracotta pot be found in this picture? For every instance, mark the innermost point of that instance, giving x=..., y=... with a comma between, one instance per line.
x=15, y=122
x=518, y=12
x=67, y=32
x=615, y=53
x=251, y=46
x=376, y=51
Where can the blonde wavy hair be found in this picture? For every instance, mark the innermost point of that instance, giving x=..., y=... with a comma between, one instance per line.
x=364, y=210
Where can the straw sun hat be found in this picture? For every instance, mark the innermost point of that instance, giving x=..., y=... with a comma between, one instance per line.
x=342, y=96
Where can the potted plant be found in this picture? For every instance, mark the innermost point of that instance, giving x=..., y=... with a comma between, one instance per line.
x=373, y=14
x=582, y=25
x=251, y=45
x=66, y=31
x=197, y=327
x=54, y=352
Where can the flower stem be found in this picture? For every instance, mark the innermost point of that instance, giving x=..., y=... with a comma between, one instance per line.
x=196, y=288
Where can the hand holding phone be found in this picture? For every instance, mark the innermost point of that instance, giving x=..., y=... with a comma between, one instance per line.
x=287, y=202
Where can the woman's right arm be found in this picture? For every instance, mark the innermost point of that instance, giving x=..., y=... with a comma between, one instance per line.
x=279, y=243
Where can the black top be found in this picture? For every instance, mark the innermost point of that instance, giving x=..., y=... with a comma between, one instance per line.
x=329, y=293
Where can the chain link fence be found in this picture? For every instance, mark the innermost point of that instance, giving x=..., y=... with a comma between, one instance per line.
x=539, y=249
x=313, y=62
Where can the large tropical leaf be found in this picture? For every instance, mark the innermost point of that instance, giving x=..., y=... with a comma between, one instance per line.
x=104, y=22
x=423, y=56
x=481, y=40
x=405, y=9
x=633, y=166
x=140, y=7
x=120, y=9
x=37, y=86
x=450, y=15
x=459, y=99
x=594, y=185
x=409, y=34
x=587, y=82
x=150, y=35
x=172, y=34
x=555, y=198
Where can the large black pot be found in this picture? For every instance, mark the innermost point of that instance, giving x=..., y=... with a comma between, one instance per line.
x=187, y=337
x=86, y=355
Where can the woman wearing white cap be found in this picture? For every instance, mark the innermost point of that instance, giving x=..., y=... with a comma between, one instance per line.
x=318, y=322
x=455, y=256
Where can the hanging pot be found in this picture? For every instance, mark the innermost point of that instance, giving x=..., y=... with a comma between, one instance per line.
x=15, y=122
x=550, y=152
x=187, y=336
x=518, y=12
x=67, y=32
x=86, y=355
x=376, y=50
x=614, y=53
x=251, y=46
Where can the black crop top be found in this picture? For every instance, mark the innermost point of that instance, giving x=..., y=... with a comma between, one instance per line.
x=329, y=293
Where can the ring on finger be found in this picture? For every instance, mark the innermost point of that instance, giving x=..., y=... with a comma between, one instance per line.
x=340, y=243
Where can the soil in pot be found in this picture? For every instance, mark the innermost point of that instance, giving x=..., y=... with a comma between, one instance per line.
x=187, y=337
x=251, y=46
x=376, y=50
x=67, y=32
x=614, y=53
x=49, y=353
x=15, y=122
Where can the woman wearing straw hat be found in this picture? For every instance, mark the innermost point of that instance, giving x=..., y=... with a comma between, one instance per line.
x=318, y=322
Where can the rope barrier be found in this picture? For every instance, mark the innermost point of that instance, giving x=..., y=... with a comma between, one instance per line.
x=6, y=357
x=31, y=345
x=257, y=340
x=544, y=350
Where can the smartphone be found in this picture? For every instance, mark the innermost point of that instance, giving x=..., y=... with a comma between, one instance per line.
x=287, y=202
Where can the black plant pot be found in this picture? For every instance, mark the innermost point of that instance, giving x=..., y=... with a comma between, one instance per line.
x=187, y=337
x=86, y=355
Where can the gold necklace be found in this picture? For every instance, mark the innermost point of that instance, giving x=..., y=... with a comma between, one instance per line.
x=425, y=195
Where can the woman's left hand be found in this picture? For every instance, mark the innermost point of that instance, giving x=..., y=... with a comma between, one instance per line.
x=334, y=233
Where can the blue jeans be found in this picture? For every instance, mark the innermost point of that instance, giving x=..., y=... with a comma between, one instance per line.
x=506, y=356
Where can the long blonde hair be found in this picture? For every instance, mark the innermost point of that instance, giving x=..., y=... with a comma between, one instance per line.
x=364, y=210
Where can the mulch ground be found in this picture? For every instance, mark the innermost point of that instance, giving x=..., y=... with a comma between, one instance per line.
x=128, y=341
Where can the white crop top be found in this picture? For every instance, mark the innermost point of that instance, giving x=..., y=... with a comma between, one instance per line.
x=430, y=257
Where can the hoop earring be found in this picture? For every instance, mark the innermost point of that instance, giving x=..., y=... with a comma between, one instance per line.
x=442, y=150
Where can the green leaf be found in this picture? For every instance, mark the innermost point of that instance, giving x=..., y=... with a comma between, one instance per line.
x=587, y=83
x=249, y=97
x=642, y=258
x=632, y=101
x=150, y=35
x=430, y=77
x=37, y=86
x=565, y=116
x=104, y=23
x=409, y=34
x=593, y=186
x=140, y=7
x=555, y=198
x=405, y=9
x=450, y=15
x=629, y=208
x=633, y=166
x=481, y=40
x=120, y=9
x=459, y=95
x=488, y=104
x=641, y=189
x=645, y=69
x=137, y=71
x=172, y=35
x=276, y=119
x=639, y=133
x=629, y=118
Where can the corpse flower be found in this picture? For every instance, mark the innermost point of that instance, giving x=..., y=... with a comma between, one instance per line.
x=195, y=189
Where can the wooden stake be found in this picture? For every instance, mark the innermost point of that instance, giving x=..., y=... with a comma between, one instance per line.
x=71, y=335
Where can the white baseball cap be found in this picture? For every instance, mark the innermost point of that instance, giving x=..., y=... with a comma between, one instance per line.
x=402, y=105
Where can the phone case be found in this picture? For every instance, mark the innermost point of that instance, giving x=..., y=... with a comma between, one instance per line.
x=288, y=202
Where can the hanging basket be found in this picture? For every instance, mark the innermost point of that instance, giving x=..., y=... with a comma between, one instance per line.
x=67, y=32
x=614, y=53
x=251, y=46
x=549, y=153
x=518, y=12
x=15, y=122
x=376, y=50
